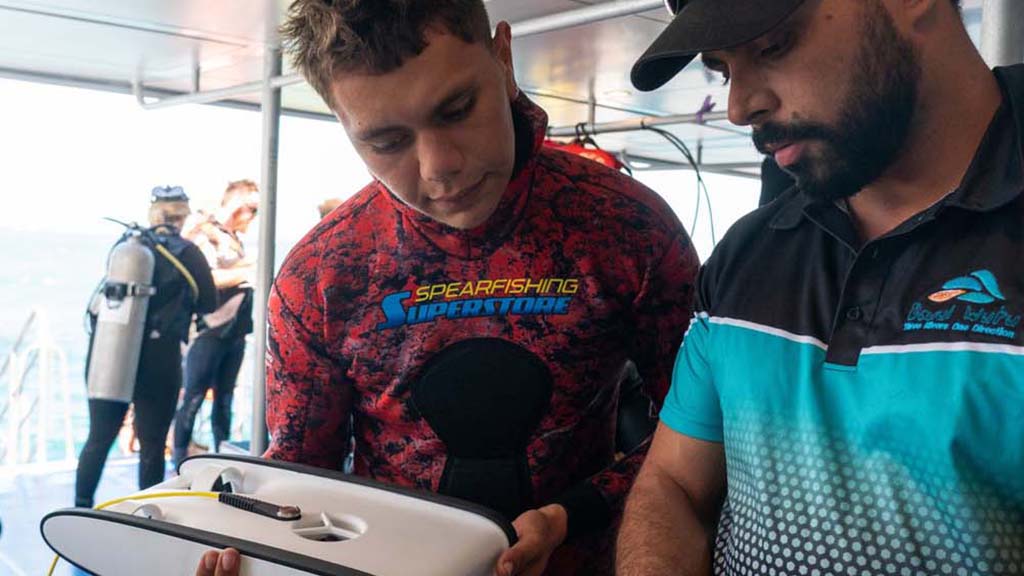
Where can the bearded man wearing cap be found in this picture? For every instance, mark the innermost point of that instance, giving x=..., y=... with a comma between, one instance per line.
x=849, y=398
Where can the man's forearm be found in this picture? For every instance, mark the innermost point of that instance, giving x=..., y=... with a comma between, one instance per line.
x=661, y=533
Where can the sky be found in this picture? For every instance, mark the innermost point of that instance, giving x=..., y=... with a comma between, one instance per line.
x=70, y=156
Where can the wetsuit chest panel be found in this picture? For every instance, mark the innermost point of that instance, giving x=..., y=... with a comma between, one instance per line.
x=484, y=397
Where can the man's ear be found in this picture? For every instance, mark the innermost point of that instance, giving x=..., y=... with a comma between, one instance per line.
x=501, y=46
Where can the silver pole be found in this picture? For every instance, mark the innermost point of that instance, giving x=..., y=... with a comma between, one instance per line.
x=729, y=172
x=1002, y=32
x=632, y=124
x=208, y=96
x=268, y=233
x=594, y=13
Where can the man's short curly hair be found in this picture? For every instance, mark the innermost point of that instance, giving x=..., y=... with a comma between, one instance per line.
x=324, y=37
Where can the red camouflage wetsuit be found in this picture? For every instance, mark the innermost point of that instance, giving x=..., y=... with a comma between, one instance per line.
x=366, y=298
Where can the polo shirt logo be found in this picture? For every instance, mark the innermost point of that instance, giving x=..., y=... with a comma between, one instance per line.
x=967, y=311
x=980, y=287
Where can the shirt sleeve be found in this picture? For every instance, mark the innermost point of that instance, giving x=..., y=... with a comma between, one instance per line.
x=199, y=236
x=661, y=310
x=309, y=397
x=692, y=406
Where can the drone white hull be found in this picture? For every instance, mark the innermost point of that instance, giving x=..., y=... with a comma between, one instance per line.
x=348, y=527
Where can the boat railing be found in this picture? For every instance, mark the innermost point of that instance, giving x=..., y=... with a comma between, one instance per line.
x=38, y=394
x=38, y=410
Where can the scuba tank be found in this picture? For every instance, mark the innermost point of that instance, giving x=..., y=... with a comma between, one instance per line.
x=120, y=306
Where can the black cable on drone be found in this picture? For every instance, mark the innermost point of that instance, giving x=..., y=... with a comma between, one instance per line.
x=701, y=186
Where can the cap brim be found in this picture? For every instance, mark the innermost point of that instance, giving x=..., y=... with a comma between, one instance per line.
x=704, y=25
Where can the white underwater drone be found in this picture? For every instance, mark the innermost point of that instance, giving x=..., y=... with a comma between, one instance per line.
x=285, y=520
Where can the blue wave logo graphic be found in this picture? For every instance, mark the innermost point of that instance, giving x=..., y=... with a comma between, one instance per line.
x=979, y=287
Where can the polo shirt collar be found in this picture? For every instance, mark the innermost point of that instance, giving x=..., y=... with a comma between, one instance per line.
x=996, y=175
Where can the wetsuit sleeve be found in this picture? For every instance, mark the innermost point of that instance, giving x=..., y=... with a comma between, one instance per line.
x=308, y=394
x=662, y=311
x=195, y=262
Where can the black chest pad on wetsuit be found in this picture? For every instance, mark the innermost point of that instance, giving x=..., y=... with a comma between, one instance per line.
x=484, y=398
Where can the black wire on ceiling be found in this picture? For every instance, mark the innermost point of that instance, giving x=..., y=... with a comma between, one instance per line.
x=701, y=186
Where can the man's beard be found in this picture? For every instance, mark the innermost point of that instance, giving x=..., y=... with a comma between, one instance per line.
x=874, y=121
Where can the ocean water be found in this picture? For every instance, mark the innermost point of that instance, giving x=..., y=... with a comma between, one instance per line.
x=52, y=275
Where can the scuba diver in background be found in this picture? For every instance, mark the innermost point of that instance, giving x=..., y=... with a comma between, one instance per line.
x=183, y=287
x=216, y=354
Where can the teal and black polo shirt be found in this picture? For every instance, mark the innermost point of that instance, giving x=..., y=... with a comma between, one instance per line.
x=870, y=398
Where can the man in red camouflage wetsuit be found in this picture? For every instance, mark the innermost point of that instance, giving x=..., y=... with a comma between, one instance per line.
x=474, y=308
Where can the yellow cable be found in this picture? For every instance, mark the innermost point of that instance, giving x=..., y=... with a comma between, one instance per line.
x=181, y=268
x=175, y=494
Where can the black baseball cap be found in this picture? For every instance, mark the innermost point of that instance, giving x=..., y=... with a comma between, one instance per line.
x=702, y=25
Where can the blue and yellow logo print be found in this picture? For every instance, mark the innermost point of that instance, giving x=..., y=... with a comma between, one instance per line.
x=477, y=299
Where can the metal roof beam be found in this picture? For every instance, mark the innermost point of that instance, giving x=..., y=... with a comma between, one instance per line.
x=660, y=163
x=209, y=96
x=125, y=23
x=117, y=87
x=633, y=124
x=588, y=15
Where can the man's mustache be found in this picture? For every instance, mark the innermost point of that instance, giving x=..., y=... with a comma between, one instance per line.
x=771, y=134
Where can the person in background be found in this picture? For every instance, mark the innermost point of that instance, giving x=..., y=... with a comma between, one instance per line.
x=168, y=320
x=327, y=205
x=849, y=398
x=215, y=357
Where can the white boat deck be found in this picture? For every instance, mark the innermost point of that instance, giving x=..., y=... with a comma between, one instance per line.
x=29, y=493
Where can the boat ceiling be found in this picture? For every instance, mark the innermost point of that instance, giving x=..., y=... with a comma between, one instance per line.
x=174, y=46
